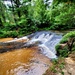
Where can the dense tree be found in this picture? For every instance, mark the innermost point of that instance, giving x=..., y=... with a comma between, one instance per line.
x=2, y=13
x=26, y=16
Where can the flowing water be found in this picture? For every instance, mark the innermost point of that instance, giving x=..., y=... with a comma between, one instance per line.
x=33, y=57
x=46, y=41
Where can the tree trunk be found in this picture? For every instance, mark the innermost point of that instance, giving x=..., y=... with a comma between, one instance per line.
x=1, y=24
x=17, y=2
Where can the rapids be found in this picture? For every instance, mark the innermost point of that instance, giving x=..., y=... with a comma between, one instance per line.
x=46, y=41
x=30, y=54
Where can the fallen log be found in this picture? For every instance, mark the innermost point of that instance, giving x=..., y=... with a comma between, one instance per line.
x=13, y=44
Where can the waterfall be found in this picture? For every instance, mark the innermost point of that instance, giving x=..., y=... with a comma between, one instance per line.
x=46, y=41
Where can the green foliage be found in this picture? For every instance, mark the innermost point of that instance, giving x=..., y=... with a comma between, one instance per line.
x=62, y=16
x=58, y=47
x=64, y=51
x=64, y=40
x=8, y=34
x=55, y=2
x=68, y=36
x=33, y=15
x=37, y=14
x=58, y=65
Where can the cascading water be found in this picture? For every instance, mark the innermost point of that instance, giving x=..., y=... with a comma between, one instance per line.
x=46, y=41
x=28, y=61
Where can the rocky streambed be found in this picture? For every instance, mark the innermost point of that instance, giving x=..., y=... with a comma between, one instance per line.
x=24, y=61
x=29, y=55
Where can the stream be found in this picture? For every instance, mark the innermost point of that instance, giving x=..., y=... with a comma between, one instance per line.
x=29, y=55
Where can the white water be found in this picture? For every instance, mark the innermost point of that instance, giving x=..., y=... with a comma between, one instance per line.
x=46, y=41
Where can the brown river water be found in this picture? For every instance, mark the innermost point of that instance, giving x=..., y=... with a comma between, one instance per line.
x=25, y=61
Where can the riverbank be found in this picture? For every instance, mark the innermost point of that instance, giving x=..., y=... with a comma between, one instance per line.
x=65, y=66
x=30, y=61
x=66, y=50
x=25, y=61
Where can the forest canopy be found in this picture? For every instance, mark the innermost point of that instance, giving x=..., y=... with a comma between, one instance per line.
x=22, y=17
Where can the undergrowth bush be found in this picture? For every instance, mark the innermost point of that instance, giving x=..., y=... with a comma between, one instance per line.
x=62, y=16
x=68, y=36
x=65, y=50
x=29, y=18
